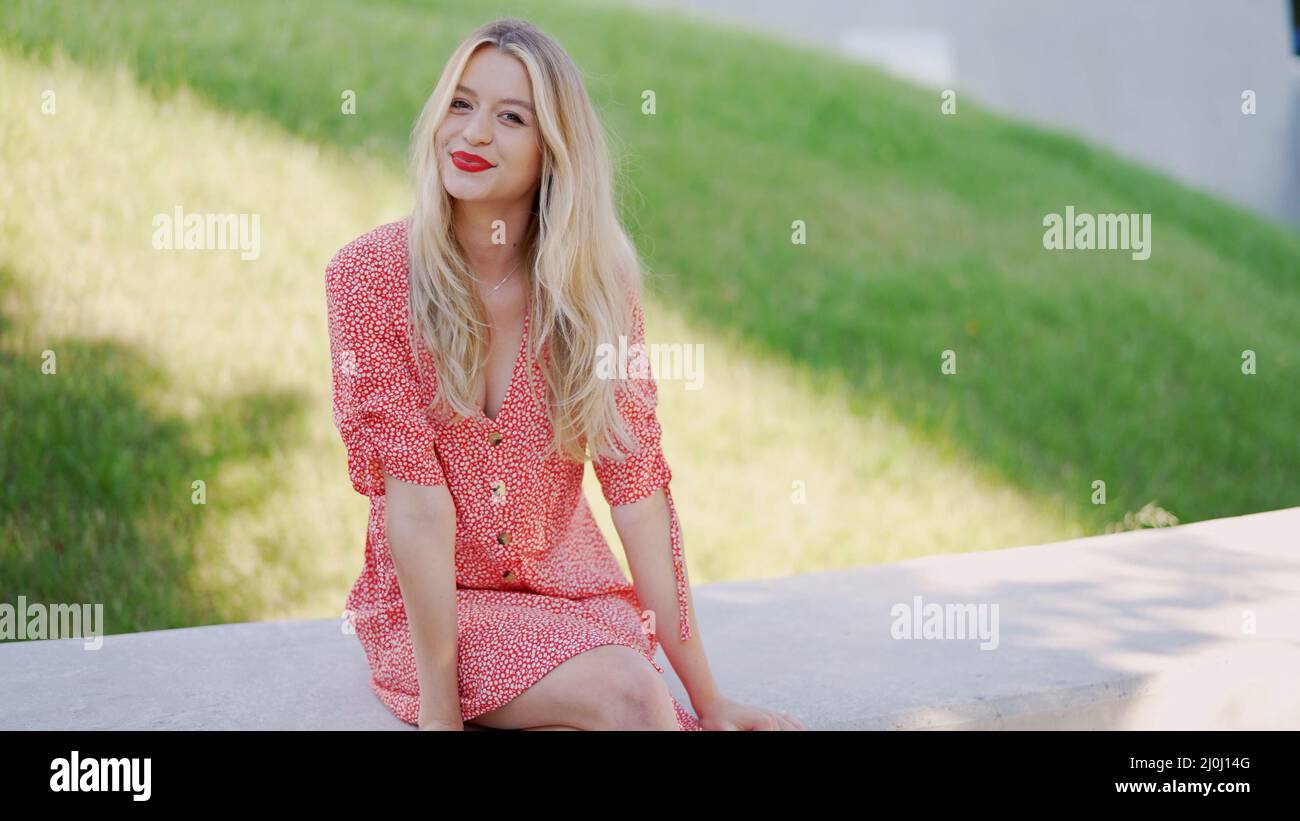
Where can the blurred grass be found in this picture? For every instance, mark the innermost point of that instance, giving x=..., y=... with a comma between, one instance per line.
x=822, y=361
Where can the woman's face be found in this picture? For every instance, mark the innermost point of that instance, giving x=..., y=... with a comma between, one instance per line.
x=491, y=118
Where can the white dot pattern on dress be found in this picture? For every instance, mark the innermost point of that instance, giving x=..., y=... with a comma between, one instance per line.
x=536, y=581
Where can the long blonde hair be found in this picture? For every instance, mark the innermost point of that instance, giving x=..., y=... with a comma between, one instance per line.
x=587, y=272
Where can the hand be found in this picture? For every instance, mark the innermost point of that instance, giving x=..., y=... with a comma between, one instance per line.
x=725, y=714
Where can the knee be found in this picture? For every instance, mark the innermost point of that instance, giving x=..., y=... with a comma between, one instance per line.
x=638, y=699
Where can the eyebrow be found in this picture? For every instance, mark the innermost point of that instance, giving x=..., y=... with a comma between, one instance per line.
x=508, y=101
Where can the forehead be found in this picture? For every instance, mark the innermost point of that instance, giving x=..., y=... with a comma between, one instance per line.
x=494, y=75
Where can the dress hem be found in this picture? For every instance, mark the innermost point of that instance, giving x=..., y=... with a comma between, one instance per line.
x=390, y=698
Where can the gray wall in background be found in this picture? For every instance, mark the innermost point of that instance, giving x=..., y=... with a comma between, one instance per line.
x=1157, y=81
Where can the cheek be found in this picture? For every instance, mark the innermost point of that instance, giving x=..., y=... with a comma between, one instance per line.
x=524, y=156
x=531, y=153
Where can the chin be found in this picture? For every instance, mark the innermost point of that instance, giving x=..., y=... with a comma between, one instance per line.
x=475, y=195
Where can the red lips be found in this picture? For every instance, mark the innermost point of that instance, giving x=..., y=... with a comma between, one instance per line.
x=472, y=163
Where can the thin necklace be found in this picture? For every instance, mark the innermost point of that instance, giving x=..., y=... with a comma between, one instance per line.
x=503, y=282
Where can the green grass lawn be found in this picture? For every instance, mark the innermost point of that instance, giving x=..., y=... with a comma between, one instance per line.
x=822, y=360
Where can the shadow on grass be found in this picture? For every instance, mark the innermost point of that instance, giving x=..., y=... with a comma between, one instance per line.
x=96, y=493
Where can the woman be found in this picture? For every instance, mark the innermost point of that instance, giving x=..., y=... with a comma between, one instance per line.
x=465, y=342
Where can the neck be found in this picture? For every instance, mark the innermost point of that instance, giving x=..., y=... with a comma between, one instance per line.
x=476, y=233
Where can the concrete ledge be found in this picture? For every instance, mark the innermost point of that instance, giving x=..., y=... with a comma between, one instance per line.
x=1144, y=630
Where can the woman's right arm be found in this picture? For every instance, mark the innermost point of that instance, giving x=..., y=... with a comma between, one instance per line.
x=421, y=526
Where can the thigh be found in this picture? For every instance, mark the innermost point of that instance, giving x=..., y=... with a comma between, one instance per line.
x=575, y=694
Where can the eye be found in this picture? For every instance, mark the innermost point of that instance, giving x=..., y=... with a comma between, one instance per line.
x=453, y=102
x=516, y=116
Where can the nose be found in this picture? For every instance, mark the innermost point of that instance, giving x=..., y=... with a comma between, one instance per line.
x=478, y=130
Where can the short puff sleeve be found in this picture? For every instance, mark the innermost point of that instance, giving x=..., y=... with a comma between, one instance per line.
x=378, y=409
x=641, y=473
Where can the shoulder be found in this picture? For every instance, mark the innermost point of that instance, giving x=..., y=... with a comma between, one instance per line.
x=372, y=267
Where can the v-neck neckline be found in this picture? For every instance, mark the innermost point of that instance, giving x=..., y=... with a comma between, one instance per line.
x=514, y=374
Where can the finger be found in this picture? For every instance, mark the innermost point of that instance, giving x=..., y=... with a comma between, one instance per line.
x=798, y=725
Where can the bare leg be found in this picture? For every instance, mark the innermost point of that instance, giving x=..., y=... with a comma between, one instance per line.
x=471, y=725
x=552, y=727
x=610, y=687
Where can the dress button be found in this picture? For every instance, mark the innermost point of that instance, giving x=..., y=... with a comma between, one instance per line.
x=509, y=575
x=503, y=538
x=494, y=438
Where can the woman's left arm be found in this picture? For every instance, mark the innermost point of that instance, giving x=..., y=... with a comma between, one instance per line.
x=636, y=486
x=643, y=527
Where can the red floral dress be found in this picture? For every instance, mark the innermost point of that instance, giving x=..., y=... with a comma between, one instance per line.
x=536, y=580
